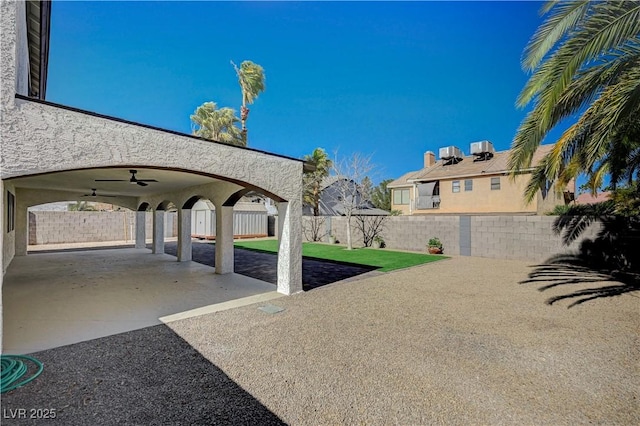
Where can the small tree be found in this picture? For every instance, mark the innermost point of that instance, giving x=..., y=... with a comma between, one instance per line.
x=371, y=227
x=314, y=228
x=351, y=192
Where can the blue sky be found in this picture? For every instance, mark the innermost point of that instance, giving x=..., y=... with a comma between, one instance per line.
x=389, y=78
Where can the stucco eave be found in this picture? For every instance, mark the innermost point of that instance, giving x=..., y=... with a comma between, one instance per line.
x=42, y=138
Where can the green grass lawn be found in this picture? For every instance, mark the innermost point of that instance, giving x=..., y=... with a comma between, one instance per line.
x=386, y=260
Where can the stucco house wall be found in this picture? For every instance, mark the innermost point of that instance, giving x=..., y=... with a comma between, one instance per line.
x=483, y=199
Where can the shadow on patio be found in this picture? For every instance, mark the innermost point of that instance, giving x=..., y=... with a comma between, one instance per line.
x=264, y=266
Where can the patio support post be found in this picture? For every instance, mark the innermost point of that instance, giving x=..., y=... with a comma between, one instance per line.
x=184, y=235
x=21, y=228
x=290, y=247
x=141, y=236
x=158, y=232
x=224, y=239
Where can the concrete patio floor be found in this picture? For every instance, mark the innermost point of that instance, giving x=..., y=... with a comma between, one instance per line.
x=120, y=290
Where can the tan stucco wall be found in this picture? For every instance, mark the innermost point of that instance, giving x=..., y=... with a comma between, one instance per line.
x=481, y=199
x=553, y=198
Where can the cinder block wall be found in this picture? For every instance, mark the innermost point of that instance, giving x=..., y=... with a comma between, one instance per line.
x=506, y=236
x=519, y=237
x=51, y=227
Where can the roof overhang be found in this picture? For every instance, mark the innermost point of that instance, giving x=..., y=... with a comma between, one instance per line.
x=472, y=175
x=38, y=30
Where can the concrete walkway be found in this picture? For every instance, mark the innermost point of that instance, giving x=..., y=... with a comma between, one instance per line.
x=451, y=342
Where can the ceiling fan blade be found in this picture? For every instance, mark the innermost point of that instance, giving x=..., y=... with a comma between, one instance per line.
x=93, y=194
x=141, y=183
x=146, y=180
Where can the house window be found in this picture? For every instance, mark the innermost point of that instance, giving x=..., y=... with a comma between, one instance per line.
x=495, y=183
x=400, y=196
x=455, y=186
x=11, y=212
x=468, y=185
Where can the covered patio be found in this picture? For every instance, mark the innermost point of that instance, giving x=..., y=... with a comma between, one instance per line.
x=53, y=152
x=61, y=298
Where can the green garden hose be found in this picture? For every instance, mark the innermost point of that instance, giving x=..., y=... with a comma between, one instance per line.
x=13, y=368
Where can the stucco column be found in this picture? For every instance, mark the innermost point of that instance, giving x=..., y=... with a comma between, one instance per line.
x=158, y=232
x=184, y=235
x=141, y=235
x=224, y=239
x=290, y=247
x=22, y=229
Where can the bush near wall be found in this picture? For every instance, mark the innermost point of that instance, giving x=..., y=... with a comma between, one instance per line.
x=502, y=236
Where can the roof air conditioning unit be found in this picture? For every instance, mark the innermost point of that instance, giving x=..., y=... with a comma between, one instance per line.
x=483, y=150
x=450, y=153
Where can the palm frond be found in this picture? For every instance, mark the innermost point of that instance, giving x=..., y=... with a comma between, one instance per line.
x=609, y=27
x=218, y=124
x=564, y=17
x=251, y=79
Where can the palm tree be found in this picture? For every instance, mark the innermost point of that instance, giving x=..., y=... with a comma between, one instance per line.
x=585, y=60
x=81, y=206
x=251, y=78
x=218, y=124
x=313, y=180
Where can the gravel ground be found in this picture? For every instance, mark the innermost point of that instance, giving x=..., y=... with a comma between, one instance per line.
x=451, y=342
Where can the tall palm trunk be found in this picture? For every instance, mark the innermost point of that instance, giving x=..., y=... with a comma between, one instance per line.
x=251, y=79
x=244, y=114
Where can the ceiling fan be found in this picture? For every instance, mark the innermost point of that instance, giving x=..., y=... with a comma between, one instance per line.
x=93, y=194
x=132, y=180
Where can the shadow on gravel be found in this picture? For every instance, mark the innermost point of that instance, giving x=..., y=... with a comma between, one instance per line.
x=142, y=377
x=612, y=257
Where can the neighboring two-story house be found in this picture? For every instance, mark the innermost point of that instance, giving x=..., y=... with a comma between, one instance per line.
x=475, y=184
